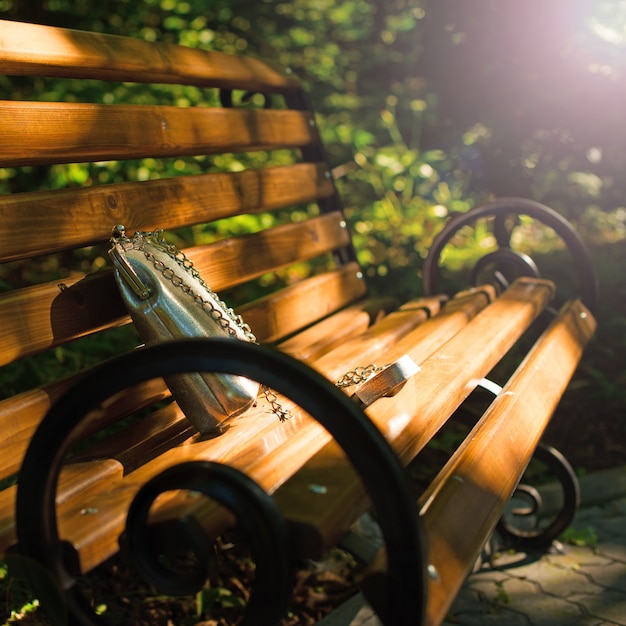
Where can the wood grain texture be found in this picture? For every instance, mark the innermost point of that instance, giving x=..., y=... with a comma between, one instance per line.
x=281, y=451
x=278, y=315
x=257, y=443
x=76, y=133
x=33, y=49
x=37, y=318
x=464, y=503
x=21, y=414
x=19, y=417
x=49, y=221
x=237, y=260
x=77, y=482
x=312, y=343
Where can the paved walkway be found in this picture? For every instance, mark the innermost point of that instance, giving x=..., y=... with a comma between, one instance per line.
x=581, y=584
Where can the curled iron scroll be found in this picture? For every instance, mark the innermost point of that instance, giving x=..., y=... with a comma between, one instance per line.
x=500, y=209
x=371, y=455
x=538, y=537
x=257, y=515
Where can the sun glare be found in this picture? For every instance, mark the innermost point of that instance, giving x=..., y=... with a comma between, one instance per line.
x=608, y=22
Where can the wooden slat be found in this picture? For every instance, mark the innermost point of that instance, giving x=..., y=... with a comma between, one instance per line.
x=77, y=482
x=41, y=317
x=144, y=440
x=70, y=132
x=32, y=49
x=411, y=418
x=280, y=314
x=465, y=501
x=37, y=318
x=239, y=259
x=380, y=341
x=19, y=417
x=331, y=332
x=44, y=222
x=21, y=414
x=251, y=439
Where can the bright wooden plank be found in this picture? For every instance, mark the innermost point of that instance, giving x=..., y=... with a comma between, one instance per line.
x=33, y=49
x=331, y=332
x=239, y=259
x=280, y=314
x=143, y=440
x=37, y=318
x=44, y=222
x=250, y=444
x=77, y=482
x=464, y=503
x=72, y=132
x=40, y=317
x=21, y=414
x=19, y=417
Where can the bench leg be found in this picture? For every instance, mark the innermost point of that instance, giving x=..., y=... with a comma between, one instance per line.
x=367, y=449
x=529, y=533
x=257, y=516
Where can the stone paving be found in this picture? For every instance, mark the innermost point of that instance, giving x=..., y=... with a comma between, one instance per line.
x=578, y=585
x=581, y=582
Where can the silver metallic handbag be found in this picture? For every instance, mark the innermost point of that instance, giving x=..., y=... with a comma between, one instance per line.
x=167, y=299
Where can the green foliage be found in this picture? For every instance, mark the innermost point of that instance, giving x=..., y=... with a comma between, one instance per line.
x=16, y=596
x=580, y=537
x=211, y=597
x=426, y=108
x=398, y=194
x=65, y=360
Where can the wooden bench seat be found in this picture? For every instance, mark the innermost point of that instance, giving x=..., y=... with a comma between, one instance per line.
x=239, y=182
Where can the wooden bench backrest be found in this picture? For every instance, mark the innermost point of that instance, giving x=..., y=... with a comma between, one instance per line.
x=55, y=216
x=186, y=164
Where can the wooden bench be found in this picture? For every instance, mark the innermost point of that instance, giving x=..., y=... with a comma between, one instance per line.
x=89, y=446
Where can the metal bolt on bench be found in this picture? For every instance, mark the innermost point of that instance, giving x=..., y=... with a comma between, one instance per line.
x=108, y=464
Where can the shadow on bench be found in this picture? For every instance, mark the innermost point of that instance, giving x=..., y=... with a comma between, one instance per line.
x=107, y=461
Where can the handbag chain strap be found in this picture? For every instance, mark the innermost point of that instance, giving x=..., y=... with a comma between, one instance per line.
x=225, y=316
x=358, y=375
x=217, y=308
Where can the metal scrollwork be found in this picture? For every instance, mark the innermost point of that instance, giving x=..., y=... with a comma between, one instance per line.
x=521, y=525
x=369, y=452
x=257, y=516
x=505, y=258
